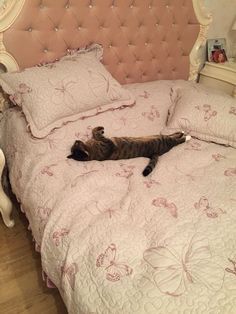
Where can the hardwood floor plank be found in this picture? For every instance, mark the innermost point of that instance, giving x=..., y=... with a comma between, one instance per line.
x=22, y=290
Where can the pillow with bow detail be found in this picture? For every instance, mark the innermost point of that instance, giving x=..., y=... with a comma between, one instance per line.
x=204, y=113
x=75, y=87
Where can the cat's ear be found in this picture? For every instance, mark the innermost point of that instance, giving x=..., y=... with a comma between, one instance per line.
x=79, y=151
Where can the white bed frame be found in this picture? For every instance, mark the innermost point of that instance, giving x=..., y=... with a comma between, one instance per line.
x=10, y=10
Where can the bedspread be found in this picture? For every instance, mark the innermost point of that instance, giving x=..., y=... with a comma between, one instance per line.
x=116, y=242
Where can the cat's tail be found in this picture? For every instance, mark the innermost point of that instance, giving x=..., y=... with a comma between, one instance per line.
x=151, y=165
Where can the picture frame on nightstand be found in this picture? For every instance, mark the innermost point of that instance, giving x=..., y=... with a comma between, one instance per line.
x=216, y=50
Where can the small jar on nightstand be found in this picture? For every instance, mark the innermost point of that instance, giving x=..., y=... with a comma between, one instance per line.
x=221, y=76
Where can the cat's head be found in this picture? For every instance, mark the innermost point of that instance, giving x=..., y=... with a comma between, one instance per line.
x=79, y=151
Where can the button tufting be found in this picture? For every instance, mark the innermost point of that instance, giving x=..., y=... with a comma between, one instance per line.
x=56, y=29
x=30, y=29
x=90, y=6
x=67, y=6
x=45, y=50
x=131, y=6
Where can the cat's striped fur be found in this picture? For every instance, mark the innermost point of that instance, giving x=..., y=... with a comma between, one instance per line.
x=102, y=148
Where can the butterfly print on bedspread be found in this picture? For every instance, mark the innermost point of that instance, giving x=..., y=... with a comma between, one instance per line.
x=193, y=145
x=163, y=203
x=145, y=95
x=218, y=157
x=230, y=172
x=152, y=114
x=69, y=272
x=233, y=110
x=175, y=268
x=58, y=236
x=208, y=112
x=114, y=269
x=229, y=270
x=126, y=171
x=204, y=206
x=47, y=170
x=150, y=183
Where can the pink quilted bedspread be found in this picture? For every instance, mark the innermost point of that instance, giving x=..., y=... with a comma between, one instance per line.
x=115, y=242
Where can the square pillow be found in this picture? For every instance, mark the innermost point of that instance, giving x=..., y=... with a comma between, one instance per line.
x=56, y=93
x=204, y=113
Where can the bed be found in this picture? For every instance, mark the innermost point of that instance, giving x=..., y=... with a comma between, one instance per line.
x=111, y=240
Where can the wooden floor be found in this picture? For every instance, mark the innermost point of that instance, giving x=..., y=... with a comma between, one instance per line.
x=22, y=289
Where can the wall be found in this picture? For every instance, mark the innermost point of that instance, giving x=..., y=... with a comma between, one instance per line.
x=224, y=14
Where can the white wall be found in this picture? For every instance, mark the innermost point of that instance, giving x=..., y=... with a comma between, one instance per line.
x=224, y=14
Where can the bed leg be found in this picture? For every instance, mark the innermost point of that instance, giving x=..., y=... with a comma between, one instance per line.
x=5, y=203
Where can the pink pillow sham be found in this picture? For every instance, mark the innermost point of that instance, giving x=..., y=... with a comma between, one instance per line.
x=56, y=93
x=204, y=113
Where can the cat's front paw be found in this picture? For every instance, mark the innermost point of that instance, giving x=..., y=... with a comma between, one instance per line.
x=188, y=138
x=99, y=129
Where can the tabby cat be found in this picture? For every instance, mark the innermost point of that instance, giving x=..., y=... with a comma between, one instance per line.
x=102, y=148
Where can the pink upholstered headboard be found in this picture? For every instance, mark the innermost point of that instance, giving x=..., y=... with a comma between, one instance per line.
x=143, y=40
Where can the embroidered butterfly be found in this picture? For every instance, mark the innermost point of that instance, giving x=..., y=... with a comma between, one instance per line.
x=69, y=272
x=204, y=206
x=47, y=170
x=218, y=157
x=176, y=268
x=114, y=270
x=22, y=89
x=152, y=114
x=230, y=172
x=162, y=202
x=63, y=92
x=208, y=112
x=58, y=235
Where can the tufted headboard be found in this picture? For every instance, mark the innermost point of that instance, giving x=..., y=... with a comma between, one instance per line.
x=143, y=40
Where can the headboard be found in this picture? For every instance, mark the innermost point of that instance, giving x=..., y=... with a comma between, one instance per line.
x=143, y=40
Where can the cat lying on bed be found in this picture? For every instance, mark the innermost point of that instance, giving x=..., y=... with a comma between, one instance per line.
x=102, y=148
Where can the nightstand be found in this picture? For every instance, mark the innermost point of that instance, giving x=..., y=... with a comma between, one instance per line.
x=5, y=203
x=220, y=75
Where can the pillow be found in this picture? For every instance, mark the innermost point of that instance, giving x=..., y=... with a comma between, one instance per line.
x=56, y=93
x=204, y=113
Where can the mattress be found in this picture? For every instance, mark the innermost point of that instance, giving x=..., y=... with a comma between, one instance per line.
x=113, y=241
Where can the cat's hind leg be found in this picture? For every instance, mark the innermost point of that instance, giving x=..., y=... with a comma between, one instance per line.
x=184, y=138
x=177, y=134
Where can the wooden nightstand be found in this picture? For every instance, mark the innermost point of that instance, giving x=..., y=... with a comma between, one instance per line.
x=220, y=75
x=5, y=203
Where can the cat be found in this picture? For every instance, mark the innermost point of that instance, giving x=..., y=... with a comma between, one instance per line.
x=103, y=148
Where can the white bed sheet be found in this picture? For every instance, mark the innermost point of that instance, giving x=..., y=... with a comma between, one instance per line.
x=115, y=242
